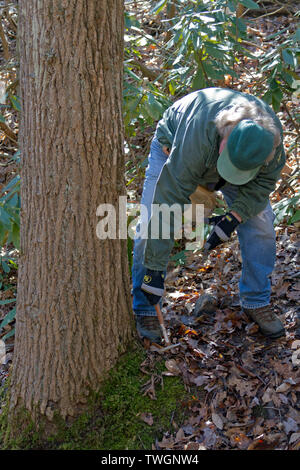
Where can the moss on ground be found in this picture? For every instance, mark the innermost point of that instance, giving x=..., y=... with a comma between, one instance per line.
x=113, y=420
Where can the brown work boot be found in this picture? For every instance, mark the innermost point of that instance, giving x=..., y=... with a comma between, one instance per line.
x=269, y=323
x=148, y=327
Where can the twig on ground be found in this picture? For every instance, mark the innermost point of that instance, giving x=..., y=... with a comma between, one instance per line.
x=8, y=132
x=5, y=47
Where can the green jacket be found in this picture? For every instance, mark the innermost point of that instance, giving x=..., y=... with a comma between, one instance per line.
x=188, y=128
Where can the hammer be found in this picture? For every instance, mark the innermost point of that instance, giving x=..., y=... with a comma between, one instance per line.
x=162, y=324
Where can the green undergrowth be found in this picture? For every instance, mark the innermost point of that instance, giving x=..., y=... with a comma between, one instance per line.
x=114, y=416
x=114, y=421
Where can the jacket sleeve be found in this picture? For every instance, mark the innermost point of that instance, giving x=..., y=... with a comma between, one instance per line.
x=253, y=197
x=177, y=181
x=164, y=129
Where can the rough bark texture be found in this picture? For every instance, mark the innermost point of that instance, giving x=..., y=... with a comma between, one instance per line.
x=73, y=311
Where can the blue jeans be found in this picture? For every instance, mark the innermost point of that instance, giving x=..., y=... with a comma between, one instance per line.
x=256, y=237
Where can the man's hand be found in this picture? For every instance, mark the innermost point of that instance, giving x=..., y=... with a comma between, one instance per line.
x=224, y=225
x=153, y=286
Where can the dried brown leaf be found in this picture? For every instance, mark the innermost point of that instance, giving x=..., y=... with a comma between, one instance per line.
x=200, y=380
x=167, y=443
x=294, y=437
x=267, y=396
x=263, y=444
x=179, y=435
x=194, y=446
x=290, y=425
x=147, y=418
x=293, y=295
x=172, y=366
x=283, y=388
x=210, y=437
x=296, y=358
x=217, y=420
x=282, y=289
x=240, y=440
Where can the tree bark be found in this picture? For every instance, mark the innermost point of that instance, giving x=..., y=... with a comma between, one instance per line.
x=74, y=309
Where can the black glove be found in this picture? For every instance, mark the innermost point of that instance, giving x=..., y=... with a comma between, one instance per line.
x=224, y=225
x=153, y=286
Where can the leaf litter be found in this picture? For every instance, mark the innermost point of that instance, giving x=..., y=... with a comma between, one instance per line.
x=244, y=387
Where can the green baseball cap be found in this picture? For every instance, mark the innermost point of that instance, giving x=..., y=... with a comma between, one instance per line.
x=245, y=152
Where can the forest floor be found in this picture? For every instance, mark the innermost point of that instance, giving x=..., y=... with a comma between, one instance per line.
x=225, y=386
x=247, y=394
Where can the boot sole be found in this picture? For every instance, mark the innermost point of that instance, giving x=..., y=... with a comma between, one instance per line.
x=279, y=334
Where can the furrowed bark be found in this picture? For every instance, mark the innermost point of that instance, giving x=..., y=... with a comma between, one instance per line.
x=73, y=310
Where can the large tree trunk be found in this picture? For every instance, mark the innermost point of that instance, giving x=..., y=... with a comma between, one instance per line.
x=73, y=310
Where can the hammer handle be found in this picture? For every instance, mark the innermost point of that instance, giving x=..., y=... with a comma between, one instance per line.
x=162, y=325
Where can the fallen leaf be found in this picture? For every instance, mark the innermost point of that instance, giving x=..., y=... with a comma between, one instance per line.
x=180, y=435
x=217, y=420
x=290, y=425
x=188, y=429
x=177, y=295
x=284, y=387
x=281, y=291
x=283, y=398
x=240, y=440
x=210, y=437
x=184, y=330
x=296, y=358
x=294, y=437
x=263, y=444
x=227, y=268
x=200, y=380
x=267, y=396
x=244, y=387
x=293, y=295
x=172, y=366
x=194, y=446
x=147, y=418
x=252, y=328
x=167, y=443
x=291, y=381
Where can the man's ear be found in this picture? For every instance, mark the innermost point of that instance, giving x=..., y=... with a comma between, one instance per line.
x=222, y=144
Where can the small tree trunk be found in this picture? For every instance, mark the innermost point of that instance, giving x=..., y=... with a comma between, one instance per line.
x=240, y=10
x=74, y=308
x=171, y=12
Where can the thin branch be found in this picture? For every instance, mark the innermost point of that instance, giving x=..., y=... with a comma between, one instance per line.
x=290, y=133
x=252, y=44
x=8, y=132
x=296, y=125
x=274, y=12
x=4, y=42
x=12, y=23
x=153, y=75
x=12, y=86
